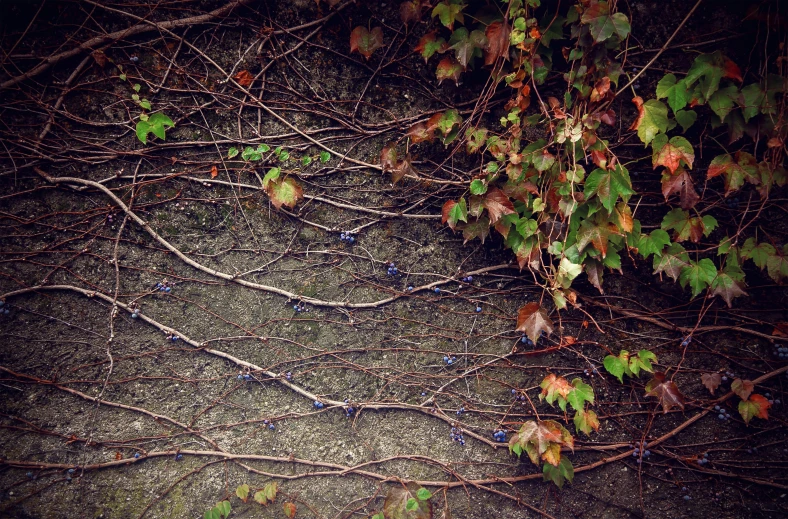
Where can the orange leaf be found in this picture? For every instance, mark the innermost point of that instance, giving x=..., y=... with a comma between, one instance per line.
x=214, y=172
x=244, y=78
x=731, y=70
x=638, y=101
x=497, y=42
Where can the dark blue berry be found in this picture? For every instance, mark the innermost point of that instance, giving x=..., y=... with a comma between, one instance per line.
x=687, y=498
x=134, y=316
x=271, y=427
x=178, y=457
x=437, y=290
x=478, y=309
x=469, y=279
x=168, y=289
x=136, y=455
x=134, y=59
x=29, y=475
x=410, y=288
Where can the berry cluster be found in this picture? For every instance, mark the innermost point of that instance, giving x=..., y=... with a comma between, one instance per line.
x=349, y=410
x=467, y=279
x=392, y=270
x=289, y=376
x=728, y=375
x=456, y=436
x=525, y=340
x=135, y=310
x=733, y=202
x=723, y=413
x=460, y=410
x=772, y=401
x=518, y=396
x=300, y=307
x=686, y=341
x=163, y=287
x=346, y=237
x=591, y=372
x=704, y=460
x=4, y=308
x=449, y=360
x=270, y=425
x=781, y=352
x=244, y=376
x=134, y=59
x=499, y=436
x=318, y=404
x=640, y=454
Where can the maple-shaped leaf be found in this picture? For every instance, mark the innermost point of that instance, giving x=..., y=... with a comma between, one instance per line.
x=671, y=153
x=652, y=119
x=666, y=392
x=602, y=24
x=429, y=44
x=736, y=170
x=585, y=421
x=420, y=132
x=709, y=68
x=497, y=204
x=365, y=41
x=543, y=439
x=722, y=101
x=447, y=121
x=653, y=243
x=532, y=319
x=403, y=168
x=688, y=227
x=750, y=99
x=676, y=91
x=410, y=11
x=680, y=183
x=528, y=253
x=244, y=78
x=711, y=380
x=476, y=228
x=475, y=139
x=596, y=233
x=559, y=475
x=727, y=288
x=467, y=45
x=777, y=265
x=449, y=68
x=388, y=157
x=555, y=388
x=698, y=275
x=497, y=42
x=580, y=394
x=672, y=261
x=759, y=253
x=742, y=388
x=543, y=160
x=756, y=406
x=454, y=212
x=284, y=192
x=608, y=185
x=448, y=12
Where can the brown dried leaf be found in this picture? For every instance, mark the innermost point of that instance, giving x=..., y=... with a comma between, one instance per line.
x=497, y=42
x=532, y=319
x=244, y=78
x=680, y=183
x=666, y=391
x=711, y=380
x=743, y=388
x=497, y=204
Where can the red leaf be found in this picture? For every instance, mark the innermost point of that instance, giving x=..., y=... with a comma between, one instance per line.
x=638, y=101
x=497, y=204
x=711, y=380
x=609, y=117
x=404, y=167
x=445, y=213
x=731, y=70
x=599, y=158
x=99, y=57
x=289, y=509
x=601, y=87
x=449, y=68
x=366, y=42
x=410, y=11
x=497, y=42
x=420, y=132
x=477, y=228
x=680, y=183
x=743, y=388
x=666, y=391
x=388, y=157
x=244, y=78
x=670, y=155
x=532, y=319
x=214, y=172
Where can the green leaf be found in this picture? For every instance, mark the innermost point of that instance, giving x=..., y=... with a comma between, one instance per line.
x=777, y=266
x=412, y=505
x=242, y=492
x=721, y=102
x=644, y=360
x=379, y=515
x=615, y=366
x=672, y=261
x=581, y=394
x=467, y=46
x=159, y=119
x=263, y=148
x=122, y=77
x=526, y=227
x=603, y=25
x=709, y=69
x=478, y=187
x=145, y=104
x=136, y=87
x=653, y=243
x=755, y=407
x=543, y=160
x=143, y=129
x=423, y=494
x=686, y=118
x=677, y=93
x=586, y=420
x=232, y=152
x=698, y=275
x=448, y=121
x=448, y=13
x=758, y=253
x=653, y=119
x=259, y=497
x=250, y=153
x=609, y=185
x=224, y=508
x=306, y=160
x=750, y=100
x=567, y=271
x=272, y=174
x=325, y=156
x=284, y=192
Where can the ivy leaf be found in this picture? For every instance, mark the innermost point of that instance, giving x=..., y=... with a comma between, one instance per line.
x=709, y=69
x=242, y=492
x=449, y=12
x=555, y=388
x=586, y=420
x=676, y=91
x=498, y=204
x=543, y=160
x=475, y=139
x=404, y=168
x=686, y=118
x=260, y=498
x=399, y=499
x=642, y=361
x=466, y=46
x=597, y=234
x=672, y=261
x=750, y=99
x=736, y=171
x=757, y=252
x=410, y=11
x=567, y=271
x=454, y=212
x=272, y=175
x=594, y=272
x=666, y=392
x=478, y=187
x=284, y=192
x=477, y=228
x=366, y=42
x=617, y=366
x=711, y=380
x=777, y=265
x=388, y=157
x=580, y=394
x=671, y=153
x=757, y=406
x=447, y=121
x=289, y=509
x=429, y=44
x=727, y=288
x=680, y=183
x=721, y=102
x=686, y=227
x=532, y=319
x=603, y=25
x=609, y=185
x=449, y=68
x=698, y=275
x=742, y=388
x=497, y=42
x=652, y=119
x=559, y=475
x=653, y=243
